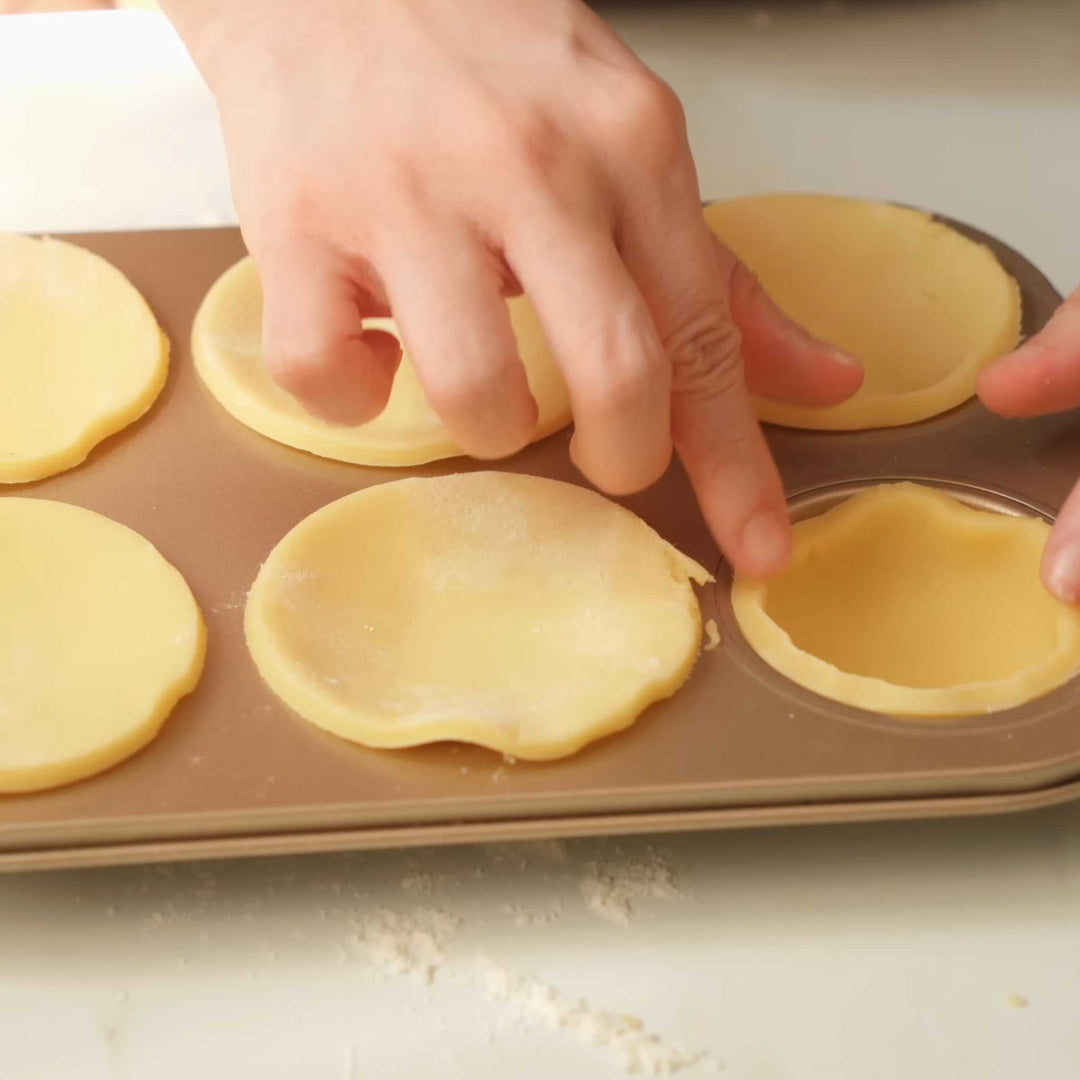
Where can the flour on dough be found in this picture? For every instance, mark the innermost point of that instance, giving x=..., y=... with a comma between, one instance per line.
x=81, y=355
x=524, y=614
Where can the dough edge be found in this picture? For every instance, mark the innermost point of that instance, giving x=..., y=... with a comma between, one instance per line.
x=287, y=682
x=868, y=412
x=107, y=755
x=102, y=427
x=773, y=644
x=265, y=420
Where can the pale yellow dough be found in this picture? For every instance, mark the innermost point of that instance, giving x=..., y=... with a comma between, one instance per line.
x=923, y=308
x=227, y=345
x=903, y=600
x=99, y=638
x=524, y=614
x=81, y=355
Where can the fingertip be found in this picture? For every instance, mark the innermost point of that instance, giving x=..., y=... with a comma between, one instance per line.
x=1061, y=568
x=783, y=361
x=841, y=375
x=348, y=383
x=614, y=474
x=987, y=389
x=1013, y=390
x=488, y=409
x=385, y=348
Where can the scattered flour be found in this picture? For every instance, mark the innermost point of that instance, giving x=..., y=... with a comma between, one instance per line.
x=610, y=890
x=638, y=1050
x=418, y=883
x=712, y=635
x=404, y=943
x=526, y=916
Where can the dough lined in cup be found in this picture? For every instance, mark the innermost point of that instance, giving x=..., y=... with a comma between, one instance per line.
x=81, y=355
x=226, y=341
x=99, y=639
x=903, y=600
x=524, y=614
x=923, y=308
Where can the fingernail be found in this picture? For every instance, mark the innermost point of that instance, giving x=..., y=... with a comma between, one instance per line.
x=765, y=542
x=1063, y=571
x=842, y=357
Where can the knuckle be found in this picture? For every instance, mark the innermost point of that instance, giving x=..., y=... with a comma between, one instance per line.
x=497, y=133
x=628, y=372
x=648, y=118
x=538, y=148
x=706, y=357
x=615, y=388
x=630, y=383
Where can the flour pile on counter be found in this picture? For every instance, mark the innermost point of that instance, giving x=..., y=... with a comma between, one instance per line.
x=611, y=888
x=404, y=943
x=638, y=1050
x=426, y=945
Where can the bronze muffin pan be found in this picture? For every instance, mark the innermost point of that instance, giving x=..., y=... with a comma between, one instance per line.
x=234, y=772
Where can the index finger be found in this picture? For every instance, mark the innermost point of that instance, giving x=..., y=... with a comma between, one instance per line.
x=671, y=255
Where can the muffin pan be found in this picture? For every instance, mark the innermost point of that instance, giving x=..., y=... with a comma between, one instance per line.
x=234, y=772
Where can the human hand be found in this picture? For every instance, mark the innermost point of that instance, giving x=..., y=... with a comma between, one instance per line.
x=426, y=158
x=1043, y=376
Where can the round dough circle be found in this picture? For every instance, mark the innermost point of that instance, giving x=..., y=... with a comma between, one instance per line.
x=227, y=346
x=524, y=614
x=923, y=308
x=903, y=600
x=99, y=638
x=81, y=355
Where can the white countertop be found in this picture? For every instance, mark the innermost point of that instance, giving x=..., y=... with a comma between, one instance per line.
x=888, y=952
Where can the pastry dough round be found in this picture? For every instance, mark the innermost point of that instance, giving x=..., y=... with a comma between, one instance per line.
x=99, y=638
x=227, y=345
x=81, y=355
x=903, y=600
x=524, y=614
x=923, y=308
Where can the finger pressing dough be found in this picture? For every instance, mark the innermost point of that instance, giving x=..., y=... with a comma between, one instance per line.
x=524, y=614
x=923, y=308
x=99, y=638
x=227, y=345
x=903, y=600
x=81, y=355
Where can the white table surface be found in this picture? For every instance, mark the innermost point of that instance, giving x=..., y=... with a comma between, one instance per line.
x=932, y=950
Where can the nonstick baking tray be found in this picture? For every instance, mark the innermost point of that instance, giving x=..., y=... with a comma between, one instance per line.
x=234, y=772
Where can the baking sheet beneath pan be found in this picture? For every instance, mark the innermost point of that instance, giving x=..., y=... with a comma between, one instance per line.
x=737, y=744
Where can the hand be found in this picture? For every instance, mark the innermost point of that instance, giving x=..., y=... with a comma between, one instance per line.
x=1043, y=376
x=426, y=158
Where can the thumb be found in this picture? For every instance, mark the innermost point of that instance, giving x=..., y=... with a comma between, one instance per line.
x=314, y=341
x=782, y=361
